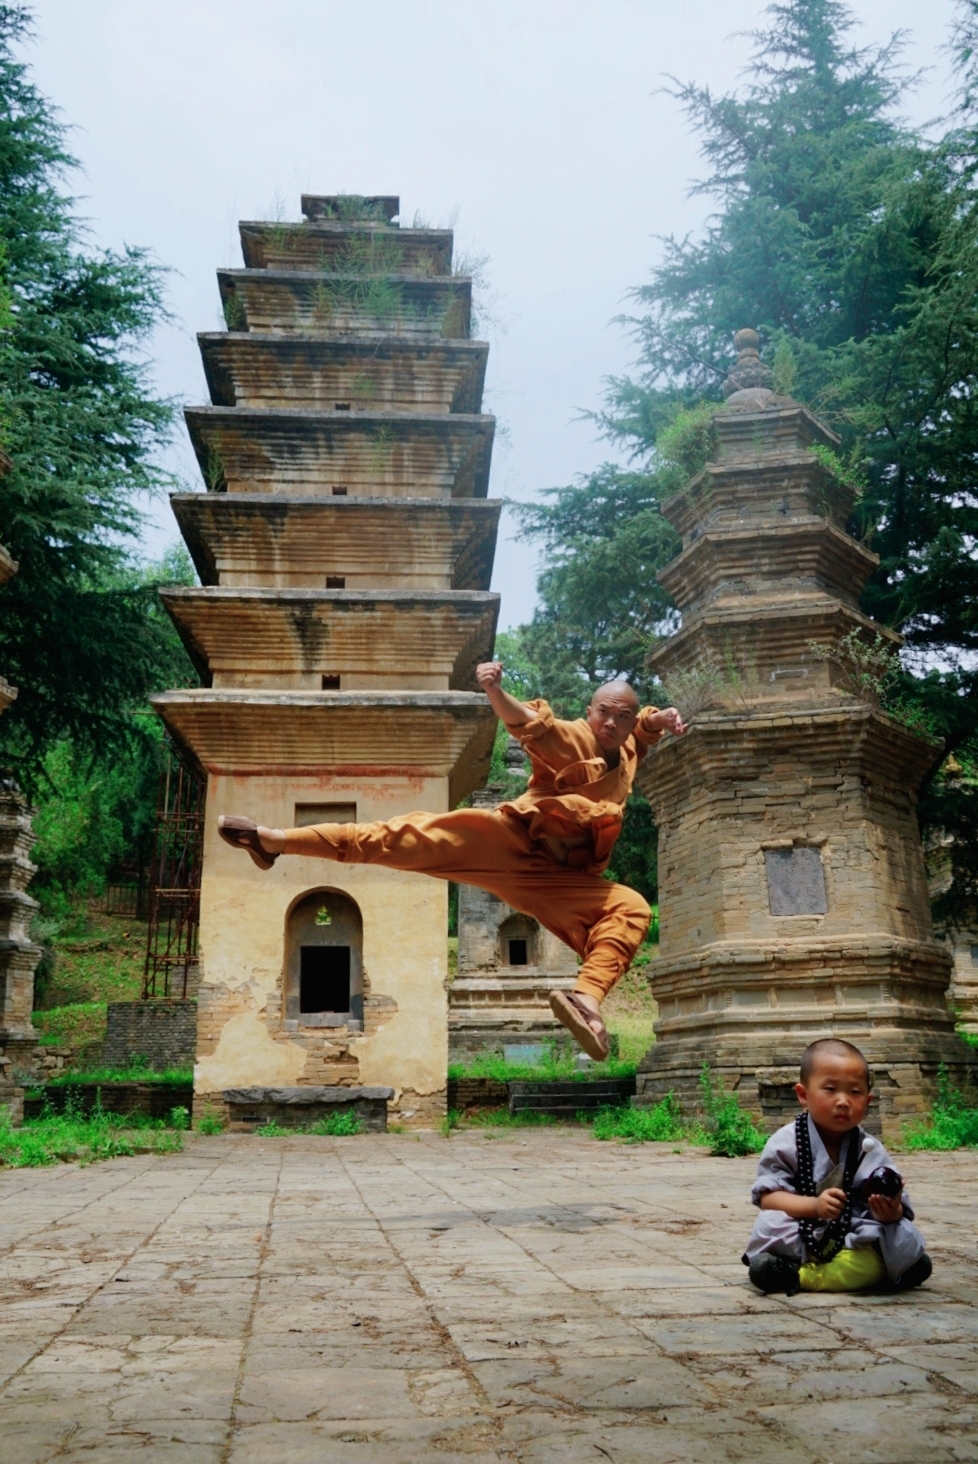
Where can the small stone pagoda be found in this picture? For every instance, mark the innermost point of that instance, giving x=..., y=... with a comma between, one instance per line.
x=345, y=549
x=793, y=898
x=18, y=953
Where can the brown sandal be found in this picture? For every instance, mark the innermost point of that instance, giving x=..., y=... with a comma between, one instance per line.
x=242, y=833
x=573, y=1015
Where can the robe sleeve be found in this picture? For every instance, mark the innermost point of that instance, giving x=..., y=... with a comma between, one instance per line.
x=547, y=739
x=645, y=737
x=777, y=1168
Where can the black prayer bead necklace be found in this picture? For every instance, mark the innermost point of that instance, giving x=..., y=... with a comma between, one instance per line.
x=834, y=1235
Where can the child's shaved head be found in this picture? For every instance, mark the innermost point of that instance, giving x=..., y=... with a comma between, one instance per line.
x=829, y=1047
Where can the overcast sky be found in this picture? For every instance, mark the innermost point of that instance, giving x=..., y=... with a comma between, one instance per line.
x=533, y=123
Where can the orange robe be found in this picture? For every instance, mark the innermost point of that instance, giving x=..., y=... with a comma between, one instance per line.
x=543, y=853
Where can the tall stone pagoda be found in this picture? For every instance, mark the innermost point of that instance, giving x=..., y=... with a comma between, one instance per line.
x=345, y=549
x=792, y=887
x=18, y=953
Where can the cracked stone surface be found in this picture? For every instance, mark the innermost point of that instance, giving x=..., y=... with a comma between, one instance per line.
x=387, y=1299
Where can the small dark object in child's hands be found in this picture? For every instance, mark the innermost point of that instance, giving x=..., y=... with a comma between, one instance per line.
x=883, y=1181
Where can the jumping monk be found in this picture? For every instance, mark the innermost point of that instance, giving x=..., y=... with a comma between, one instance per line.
x=544, y=853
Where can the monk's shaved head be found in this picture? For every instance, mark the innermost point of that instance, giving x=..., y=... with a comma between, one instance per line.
x=618, y=688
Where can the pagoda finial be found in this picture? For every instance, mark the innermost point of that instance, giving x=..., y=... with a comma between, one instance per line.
x=749, y=373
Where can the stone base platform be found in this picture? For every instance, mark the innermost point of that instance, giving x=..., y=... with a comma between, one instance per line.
x=246, y=1108
x=488, y=1013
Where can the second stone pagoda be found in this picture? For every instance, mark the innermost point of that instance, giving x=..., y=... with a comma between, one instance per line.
x=345, y=549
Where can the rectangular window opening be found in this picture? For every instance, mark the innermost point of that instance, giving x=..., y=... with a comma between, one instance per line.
x=308, y=814
x=517, y=953
x=342, y=406
x=324, y=978
x=331, y=683
x=340, y=492
x=336, y=582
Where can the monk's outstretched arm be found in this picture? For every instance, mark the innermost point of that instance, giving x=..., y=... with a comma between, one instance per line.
x=514, y=713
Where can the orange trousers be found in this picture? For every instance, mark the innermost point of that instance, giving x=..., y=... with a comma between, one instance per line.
x=604, y=923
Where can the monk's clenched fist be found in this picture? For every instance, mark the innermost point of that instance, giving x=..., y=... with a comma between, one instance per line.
x=489, y=674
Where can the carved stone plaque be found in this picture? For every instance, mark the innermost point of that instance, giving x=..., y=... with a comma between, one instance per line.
x=795, y=882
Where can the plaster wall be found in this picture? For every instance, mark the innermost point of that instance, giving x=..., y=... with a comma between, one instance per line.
x=242, y=1038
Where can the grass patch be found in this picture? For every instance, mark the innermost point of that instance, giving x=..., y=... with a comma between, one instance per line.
x=341, y=1125
x=663, y=1123
x=725, y=1127
x=134, y=1073
x=557, y=1069
x=952, y=1124
x=97, y=958
x=79, y=1026
x=210, y=1122
x=70, y=1137
x=493, y=1118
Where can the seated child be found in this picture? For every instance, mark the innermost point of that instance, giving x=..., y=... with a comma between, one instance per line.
x=834, y=1213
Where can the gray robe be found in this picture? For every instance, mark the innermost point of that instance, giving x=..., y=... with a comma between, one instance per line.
x=900, y=1244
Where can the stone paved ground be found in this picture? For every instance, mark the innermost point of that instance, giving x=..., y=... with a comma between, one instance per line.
x=536, y=1296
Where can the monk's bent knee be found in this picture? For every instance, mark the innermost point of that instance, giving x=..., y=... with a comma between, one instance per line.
x=613, y=941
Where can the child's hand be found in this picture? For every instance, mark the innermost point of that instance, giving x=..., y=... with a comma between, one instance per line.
x=489, y=673
x=830, y=1204
x=887, y=1211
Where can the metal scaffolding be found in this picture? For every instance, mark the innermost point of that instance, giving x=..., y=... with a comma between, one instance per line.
x=174, y=896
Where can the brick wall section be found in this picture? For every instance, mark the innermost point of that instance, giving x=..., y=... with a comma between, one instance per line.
x=164, y=1033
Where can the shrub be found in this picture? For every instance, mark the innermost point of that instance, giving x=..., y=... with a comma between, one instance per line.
x=340, y=1125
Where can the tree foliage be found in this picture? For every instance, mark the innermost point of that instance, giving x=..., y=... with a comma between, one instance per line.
x=850, y=241
x=82, y=633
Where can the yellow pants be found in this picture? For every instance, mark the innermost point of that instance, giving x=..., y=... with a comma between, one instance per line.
x=850, y=1270
x=604, y=923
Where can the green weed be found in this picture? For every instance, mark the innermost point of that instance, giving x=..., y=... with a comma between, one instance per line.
x=663, y=1123
x=210, y=1122
x=341, y=1125
x=727, y=1128
x=952, y=1124
x=272, y=1130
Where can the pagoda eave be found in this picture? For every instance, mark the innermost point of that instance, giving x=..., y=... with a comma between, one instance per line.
x=311, y=451
x=288, y=633
x=393, y=372
x=332, y=304
x=366, y=734
x=785, y=552
x=260, y=539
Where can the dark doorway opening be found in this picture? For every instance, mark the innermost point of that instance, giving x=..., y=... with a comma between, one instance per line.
x=517, y=953
x=324, y=978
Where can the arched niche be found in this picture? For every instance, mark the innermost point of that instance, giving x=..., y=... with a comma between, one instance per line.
x=324, y=961
x=518, y=942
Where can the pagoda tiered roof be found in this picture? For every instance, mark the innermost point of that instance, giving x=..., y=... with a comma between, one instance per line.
x=386, y=639
x=381, y=454
x=297, y=542
x=316, y=303
x=353, y=374
x=767, y=577
x=344, y=553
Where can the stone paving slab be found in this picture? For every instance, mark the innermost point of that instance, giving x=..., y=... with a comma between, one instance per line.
x=525, y=1295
